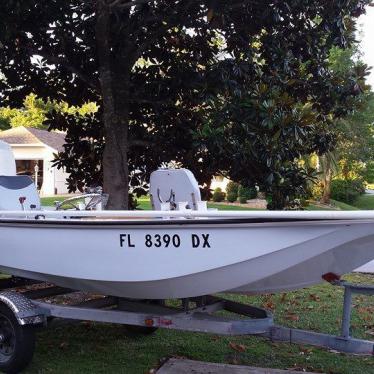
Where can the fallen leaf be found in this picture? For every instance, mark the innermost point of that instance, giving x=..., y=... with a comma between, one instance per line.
x=237, y=347
x=269, y=305
x=292, y=317
x=314, y=297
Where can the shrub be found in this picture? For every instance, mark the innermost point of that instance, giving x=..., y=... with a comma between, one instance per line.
x=315, y=190
x=218, y=195
x=359, y=185
x=347, y=190
x=232, y=197
x=242, y=199
x=232, y=191
x=369, y=172
x=246, y=193
x=232, y=188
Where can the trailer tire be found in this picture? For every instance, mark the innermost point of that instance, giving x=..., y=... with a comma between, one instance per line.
x=17, y=342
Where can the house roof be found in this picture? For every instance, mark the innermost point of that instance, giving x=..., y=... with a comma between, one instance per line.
x=30, y=135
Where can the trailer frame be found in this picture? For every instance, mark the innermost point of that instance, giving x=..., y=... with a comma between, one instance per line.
x=198, y=314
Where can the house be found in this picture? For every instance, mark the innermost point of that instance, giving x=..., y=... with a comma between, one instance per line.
x=218, y=181
x=34, y=151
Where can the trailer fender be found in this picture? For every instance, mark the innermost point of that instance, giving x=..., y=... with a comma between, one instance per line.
x=26, y=312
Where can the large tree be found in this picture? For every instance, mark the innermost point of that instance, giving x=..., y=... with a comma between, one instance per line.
x=162, y=72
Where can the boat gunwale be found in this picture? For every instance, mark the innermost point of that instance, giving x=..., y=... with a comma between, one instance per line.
x=228, y=222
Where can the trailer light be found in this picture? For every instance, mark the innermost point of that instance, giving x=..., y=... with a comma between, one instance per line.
x=149, y=322
x=331, y=277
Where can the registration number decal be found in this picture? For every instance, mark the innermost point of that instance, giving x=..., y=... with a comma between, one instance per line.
x=165, y=241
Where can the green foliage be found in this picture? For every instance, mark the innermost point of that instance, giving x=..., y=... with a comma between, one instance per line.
x=259, y=136
x=218, y=195
x=232, y=197
x=232, y=191
x=369, y=172
x=353, y=134
x=243, y=199
x=4, y=123
x=355, y=138
x=232, y=187
x=246, y=193
x=316, y=190
x=34, y=112
x=347, y=190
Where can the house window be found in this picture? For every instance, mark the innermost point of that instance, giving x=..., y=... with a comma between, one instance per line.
x=27, y=167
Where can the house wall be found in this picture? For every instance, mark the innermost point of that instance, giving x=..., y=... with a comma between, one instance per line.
x=52, y=177
x=7, y=163
x=48, y=187
x=219, y=181
x=60, y=181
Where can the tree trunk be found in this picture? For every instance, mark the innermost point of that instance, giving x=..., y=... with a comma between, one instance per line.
x=115, y=117
x=278, y=201
x=327, y=182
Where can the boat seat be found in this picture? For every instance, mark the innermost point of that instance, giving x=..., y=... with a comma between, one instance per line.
x=17, y=190
x=173, y=186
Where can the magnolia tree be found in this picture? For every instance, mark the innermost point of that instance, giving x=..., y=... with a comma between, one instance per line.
x=239, y=86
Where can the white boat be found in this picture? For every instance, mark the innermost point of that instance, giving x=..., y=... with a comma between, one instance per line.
x=180, y=253
x=156, y=258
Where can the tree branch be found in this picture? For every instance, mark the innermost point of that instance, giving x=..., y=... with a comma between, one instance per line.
x=62, y=61
x=151, y=39
x=128, y=4
x=139, y=143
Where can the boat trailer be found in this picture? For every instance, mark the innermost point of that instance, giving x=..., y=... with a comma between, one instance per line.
x=26, y=305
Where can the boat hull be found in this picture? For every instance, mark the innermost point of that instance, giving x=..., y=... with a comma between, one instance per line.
x=185, y=258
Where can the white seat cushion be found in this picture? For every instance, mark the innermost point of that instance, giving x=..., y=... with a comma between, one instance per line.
x=12, y=188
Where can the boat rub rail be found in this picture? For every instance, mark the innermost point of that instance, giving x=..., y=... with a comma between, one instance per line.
x=83, y=221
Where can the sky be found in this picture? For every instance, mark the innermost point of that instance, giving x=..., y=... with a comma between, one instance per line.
x=367, y=40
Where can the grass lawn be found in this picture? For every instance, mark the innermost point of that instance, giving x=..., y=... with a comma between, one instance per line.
x=145, y=204
x=365, y=202
x=50, y=201
x=343, y=206
x=104, y=348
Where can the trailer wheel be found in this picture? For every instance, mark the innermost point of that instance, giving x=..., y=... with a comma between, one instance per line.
x=17, y=343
